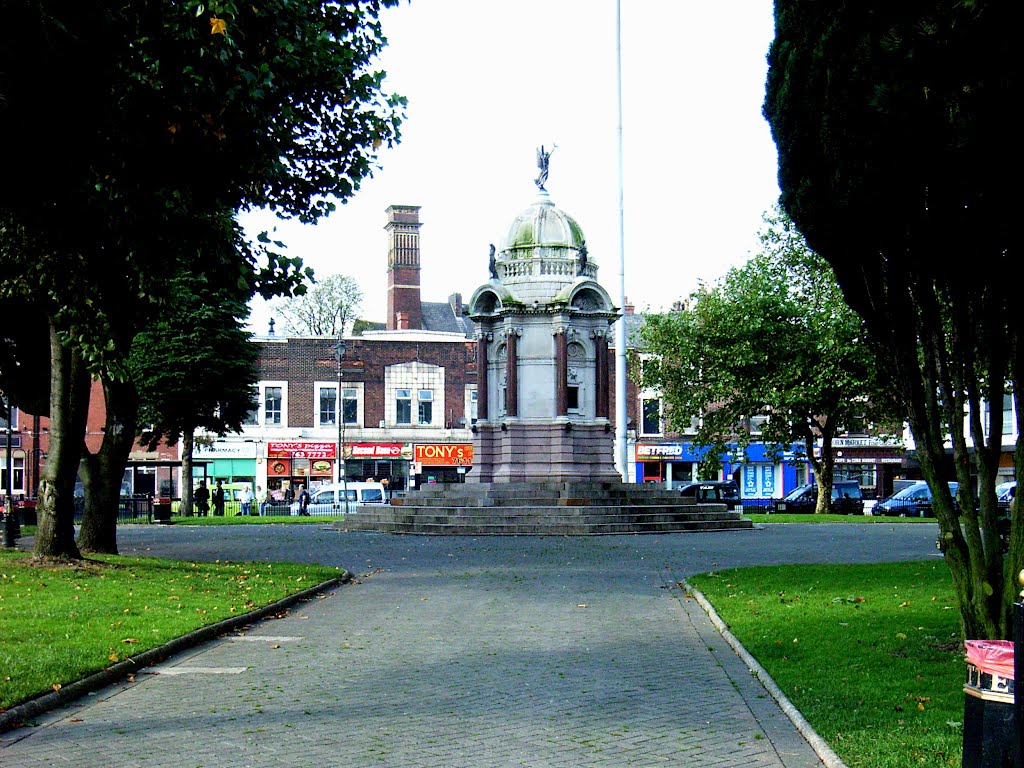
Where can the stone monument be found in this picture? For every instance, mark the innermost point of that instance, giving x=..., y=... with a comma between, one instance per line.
x=544, y=378
x=543, y=446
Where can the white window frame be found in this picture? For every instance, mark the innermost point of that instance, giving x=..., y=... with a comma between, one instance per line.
x=644, y=399
x=424, y=396
x=319, y=390
x=261, y=404
x=403, y=395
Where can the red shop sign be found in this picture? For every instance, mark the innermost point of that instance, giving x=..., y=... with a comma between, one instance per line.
x=302, y=450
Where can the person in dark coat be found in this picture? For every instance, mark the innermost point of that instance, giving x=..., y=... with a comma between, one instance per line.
x=218, y=500
x=202, y=498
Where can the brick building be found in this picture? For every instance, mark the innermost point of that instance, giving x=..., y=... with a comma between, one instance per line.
x=405, y=395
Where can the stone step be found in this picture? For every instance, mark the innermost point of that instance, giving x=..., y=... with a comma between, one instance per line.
x=547, y=501
x=539, y=521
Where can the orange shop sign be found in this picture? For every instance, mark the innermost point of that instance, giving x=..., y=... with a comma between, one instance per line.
x=444, y=454
x=301, y=450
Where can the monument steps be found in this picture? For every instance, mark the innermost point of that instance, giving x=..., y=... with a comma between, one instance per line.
x=548, y=509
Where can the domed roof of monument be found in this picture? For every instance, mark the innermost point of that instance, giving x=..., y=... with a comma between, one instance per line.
x=543, y=224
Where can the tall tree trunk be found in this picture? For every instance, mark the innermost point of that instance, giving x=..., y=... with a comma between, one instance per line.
x=103, y=472
x=69, y=406
x=187, y=444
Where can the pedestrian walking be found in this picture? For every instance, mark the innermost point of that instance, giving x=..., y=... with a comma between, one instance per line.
x=303, y=501
x=263, y=497
x=202, y=498
x=218, y=500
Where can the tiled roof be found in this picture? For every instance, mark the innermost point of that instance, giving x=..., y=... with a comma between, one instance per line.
x=439, y=316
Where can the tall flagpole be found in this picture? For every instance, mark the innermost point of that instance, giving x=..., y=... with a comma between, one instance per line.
x=620, y=329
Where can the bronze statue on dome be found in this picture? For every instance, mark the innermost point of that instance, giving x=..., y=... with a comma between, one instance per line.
x=492, y=266
x=543, y=160
x=583, y=260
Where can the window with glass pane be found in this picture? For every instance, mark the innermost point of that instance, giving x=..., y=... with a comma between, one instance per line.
x=572, y=394
x=426, y=409
x=757, y=424
x=4, y=421
x=349, y=405
x=403, y=406
x=18, y=478
x=472, y=407
x=328, y=406
x=1007, y=414
x=651, y=417
x=272, y=401
x=253, y=414
x=800, y=473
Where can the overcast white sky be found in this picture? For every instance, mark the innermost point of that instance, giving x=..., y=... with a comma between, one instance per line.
x=489, y=82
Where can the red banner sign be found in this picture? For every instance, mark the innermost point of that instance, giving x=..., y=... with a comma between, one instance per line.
x=376, y=451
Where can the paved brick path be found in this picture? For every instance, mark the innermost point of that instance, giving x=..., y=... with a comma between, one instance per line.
x=462, y=653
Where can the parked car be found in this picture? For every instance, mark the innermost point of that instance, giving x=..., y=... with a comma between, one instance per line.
x=1005, y=493
x=913, y=501
x=330, y=499
x=847, y=499
x=719, y=491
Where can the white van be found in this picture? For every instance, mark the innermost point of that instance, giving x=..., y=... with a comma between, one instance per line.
x=330, y=499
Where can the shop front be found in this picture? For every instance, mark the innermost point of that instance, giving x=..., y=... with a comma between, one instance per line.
x=759, y=473
x=224, y=460
x=386, y=463
x=872, y=462
x=435, y=463
x=666, y=463
x=300, y=462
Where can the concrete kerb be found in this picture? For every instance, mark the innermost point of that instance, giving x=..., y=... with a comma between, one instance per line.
x=20, y=714
x=823, y=750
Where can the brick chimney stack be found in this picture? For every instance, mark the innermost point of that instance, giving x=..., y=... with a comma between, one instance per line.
x=455, y=302
x=404, y=300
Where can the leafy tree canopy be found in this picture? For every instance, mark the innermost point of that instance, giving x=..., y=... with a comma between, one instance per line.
x=196, y=368
x=132, y=121
x=328, y=308
x=773, y=339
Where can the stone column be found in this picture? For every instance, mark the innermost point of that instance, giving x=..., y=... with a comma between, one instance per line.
x=561, y=372
x=601, y=374
x=481, y=377
x=512, y=374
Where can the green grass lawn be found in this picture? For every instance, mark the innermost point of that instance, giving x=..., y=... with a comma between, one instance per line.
x=61, y=623
x=858, y=519
x=871, y=655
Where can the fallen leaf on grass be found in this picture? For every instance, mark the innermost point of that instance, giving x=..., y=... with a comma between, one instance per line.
x=129, y=640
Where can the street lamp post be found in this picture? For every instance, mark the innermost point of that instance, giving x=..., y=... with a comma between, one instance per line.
x=339, y=350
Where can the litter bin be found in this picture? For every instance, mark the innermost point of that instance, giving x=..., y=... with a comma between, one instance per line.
x=162, y=510
x=989, y=733
x=28, y=511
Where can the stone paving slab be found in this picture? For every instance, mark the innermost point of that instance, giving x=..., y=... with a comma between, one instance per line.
x=468, y=653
